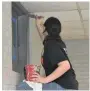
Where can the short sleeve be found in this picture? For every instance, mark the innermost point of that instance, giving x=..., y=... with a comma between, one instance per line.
x=54, y=54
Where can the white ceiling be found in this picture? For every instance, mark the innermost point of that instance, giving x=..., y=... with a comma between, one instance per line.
x=53, y=6
x=74, y=16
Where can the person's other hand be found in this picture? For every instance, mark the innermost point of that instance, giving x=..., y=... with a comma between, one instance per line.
x=37, y=78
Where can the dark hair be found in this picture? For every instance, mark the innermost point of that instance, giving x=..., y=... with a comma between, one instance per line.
x=52, y=26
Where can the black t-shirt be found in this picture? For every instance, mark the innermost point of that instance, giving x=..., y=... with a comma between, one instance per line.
x=55, y=52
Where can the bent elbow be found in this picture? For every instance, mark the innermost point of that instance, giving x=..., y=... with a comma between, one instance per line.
x=68, y=66
x=65, y=64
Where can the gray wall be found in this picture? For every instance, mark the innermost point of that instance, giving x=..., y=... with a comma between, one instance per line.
x=78, y=52
x=9, y=78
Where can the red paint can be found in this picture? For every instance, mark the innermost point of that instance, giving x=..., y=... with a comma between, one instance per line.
x=30, y=69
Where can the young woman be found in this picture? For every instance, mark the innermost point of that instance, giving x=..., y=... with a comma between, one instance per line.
x=59, y=72
x=58, y=69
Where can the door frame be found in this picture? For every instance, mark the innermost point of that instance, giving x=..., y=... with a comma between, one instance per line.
x=17, y=10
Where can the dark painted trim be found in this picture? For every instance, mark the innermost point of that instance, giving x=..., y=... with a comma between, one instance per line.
x=19, y=9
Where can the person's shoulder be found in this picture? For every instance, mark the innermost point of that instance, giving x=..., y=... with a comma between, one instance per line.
x=55, y=44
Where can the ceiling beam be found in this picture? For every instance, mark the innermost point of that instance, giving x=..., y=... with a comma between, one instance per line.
x=81, y=18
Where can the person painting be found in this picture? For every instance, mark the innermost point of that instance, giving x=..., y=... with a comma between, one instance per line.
x=58, y=69
x=59, y=72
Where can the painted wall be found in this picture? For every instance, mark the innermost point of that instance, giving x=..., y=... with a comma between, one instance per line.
x=78, y=52
x=9, y=78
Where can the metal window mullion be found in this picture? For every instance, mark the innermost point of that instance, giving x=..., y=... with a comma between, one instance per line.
x=17, y=49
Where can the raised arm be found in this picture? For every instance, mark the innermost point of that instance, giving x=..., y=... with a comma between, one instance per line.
x=40, y=26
